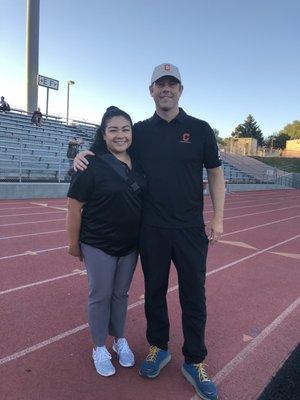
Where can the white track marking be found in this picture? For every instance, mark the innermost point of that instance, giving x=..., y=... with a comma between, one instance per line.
x=18, y=208
x=42, y=344
x=254, y=200
x=16, y=203
x=241, y=356
x=31, y=234
x=34, y=222
x=254, y=205
x=22, y=215
x=55, y=207
x=251, y=255
x=226, y=218
x=62, y=209
x=56, y=278
x=225, y=234
x=30, y=252
x=261, y=212
x=62, y=336
x=260, y=226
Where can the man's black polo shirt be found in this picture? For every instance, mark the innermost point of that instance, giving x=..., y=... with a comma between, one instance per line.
x=172, y=156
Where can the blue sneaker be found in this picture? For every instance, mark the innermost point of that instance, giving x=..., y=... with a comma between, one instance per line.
x=154, y=362
x=197, y=376
x=102, y=361
x=125, y=355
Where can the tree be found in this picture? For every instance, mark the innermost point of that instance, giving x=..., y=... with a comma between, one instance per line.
x=217, y=135
x=249, y=128
x=279, y=141
x=292, y=130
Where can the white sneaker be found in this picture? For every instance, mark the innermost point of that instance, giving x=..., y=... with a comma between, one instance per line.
x=125, y=355
x=102, y=361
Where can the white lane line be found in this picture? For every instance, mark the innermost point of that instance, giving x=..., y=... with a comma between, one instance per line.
x=62, y=336
x=62, y=209
x=225, y=234
x=57, y=207
x=56, y=278
x=218, y=378
x=251, y=206
x=248, y=199
x=260, y=226
x=80, y=272
x=31, y=252
x=254, y=200
x=32, y=234
x=231, y=264
x=241, y=356
x=18, y=208
x=45, y=343
x=16, y=203
x=22, y=215
x=42, y=344
x=263, y=193
x=34, y=222
x=261, y=212
x=54, y=339
x=64, y=230
x=251, y=255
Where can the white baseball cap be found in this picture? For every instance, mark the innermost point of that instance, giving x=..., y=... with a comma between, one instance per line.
x=165, y=70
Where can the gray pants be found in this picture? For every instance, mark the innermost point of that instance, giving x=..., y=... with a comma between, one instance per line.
x=109, y=281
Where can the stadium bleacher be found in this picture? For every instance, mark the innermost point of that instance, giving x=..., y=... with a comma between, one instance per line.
x=38, y=154
x=31, y=153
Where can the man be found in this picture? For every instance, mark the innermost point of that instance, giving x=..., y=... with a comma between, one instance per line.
x=73, y=147
x=172, y=147
x=37, y=117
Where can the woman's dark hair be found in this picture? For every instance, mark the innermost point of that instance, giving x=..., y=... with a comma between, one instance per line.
x=99, y=145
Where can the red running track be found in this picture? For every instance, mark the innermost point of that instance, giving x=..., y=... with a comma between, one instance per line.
x=252, y=298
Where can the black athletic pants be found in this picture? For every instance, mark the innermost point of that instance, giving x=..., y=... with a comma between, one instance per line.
x=187, y=248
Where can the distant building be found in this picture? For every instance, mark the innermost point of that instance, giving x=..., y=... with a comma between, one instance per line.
x=292, y=148
x=243, y=146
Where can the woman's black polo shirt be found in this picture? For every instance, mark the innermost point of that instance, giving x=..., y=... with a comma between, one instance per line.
x=172, y=156
x=111, y=214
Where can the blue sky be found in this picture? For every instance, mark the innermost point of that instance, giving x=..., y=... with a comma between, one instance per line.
x=235, y=57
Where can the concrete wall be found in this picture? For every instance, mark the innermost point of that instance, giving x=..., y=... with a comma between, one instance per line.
x=241, y=187
x=14, y=190
x=59, y=190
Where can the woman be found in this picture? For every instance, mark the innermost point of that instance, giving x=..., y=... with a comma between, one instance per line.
x=104, y=211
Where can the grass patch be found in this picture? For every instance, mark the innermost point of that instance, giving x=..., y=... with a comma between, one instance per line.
x=283, y=163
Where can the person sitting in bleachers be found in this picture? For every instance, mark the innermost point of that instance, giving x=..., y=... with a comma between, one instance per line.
x=73, y=148
x=37, y=117
x=4, y=106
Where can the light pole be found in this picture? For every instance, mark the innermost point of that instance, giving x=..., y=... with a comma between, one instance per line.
x=68, y=96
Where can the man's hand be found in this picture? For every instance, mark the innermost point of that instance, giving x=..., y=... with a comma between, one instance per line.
x=75, y=251
x=80, y=162
x=215, y=230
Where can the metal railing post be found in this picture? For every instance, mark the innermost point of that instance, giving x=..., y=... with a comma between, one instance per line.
x=20, y=160
x=59, y=165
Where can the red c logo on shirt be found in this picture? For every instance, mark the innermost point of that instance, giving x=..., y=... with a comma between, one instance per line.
x=186, y=138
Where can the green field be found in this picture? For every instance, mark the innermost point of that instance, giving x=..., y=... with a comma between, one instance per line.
x=285, y=164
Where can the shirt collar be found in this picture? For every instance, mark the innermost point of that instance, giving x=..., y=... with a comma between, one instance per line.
x=156, y=119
